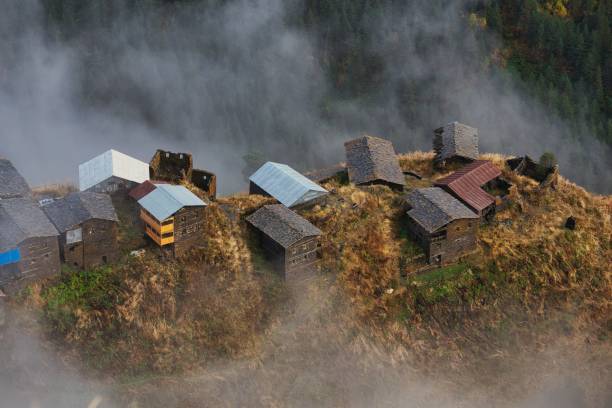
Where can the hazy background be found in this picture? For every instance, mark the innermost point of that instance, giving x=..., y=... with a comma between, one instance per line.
x=219, y=81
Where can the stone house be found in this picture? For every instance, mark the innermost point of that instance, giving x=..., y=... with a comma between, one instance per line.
x=290, y=242
x=29, y=248
x=88, y=225
x=441, y=224
x=173, y=217
x=455, y=142
x=372, y=160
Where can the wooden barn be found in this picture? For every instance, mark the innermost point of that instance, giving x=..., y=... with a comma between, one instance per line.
x=173, y=217
x=289, y=241
x=175, y=167
x=466, y=184
x=441, y=224
x=372, y=160
x=12, y=184
x=29, y=247
x=286, y=185
x=455, y=142
x=87, y=224
x=112, y=172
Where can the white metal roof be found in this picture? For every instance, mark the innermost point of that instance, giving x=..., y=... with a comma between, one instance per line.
x=288, y=186
x=109, y=164
x=167, y=199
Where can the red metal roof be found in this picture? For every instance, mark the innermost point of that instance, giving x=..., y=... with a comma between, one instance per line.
x=142, y=190
x=466, y=183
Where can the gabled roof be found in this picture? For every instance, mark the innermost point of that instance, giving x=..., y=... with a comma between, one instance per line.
x=466, y=183
x=76, y=208
x=109, y=164
x=12, y=184
x=20, y=219
x=324, y=174
x=434, y=208
x=457, y=140
x=286, y=185
x=370, y=159
x=167, y=199
x=282, y=225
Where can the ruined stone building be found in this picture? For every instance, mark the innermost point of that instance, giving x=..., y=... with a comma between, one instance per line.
x=175, y=167
x=468, y=186
x=286, y=185
x=371, y=160
x=12, y=184
x=441, y=224
x=290, y=242
x=112, y=172
x=29, y=247
x=173, y=217
x=87, y=224
x=455, y=142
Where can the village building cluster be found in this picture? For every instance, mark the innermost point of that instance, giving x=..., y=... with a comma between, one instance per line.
x=167, y=199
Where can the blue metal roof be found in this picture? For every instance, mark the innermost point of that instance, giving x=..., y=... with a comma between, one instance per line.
x=288, y=186
x=10, y=257
x=167, y=199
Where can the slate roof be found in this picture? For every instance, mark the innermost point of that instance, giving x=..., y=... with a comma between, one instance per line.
x=167, y=199
x=286, y=185
x=76, y=208
x=282, y=225
x=434, y=208
x=111, y=163
x=466, y=183
x=20, y=219
x=324, y=174
x=12, y=184
x=457, y=139
x=371, y=159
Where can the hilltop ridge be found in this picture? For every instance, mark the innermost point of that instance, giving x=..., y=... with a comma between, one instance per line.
x=530, y=282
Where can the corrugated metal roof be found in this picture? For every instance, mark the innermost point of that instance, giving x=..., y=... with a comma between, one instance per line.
x=109, y=164
x=167, y=199
x=286, y=185
x=466, y=183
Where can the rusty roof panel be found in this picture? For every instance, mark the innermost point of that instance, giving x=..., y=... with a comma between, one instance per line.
x=466, y=183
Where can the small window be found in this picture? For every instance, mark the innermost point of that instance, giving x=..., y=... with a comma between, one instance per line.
x=167, y=155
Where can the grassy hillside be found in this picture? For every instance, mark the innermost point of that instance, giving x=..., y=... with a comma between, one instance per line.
x=530, y=281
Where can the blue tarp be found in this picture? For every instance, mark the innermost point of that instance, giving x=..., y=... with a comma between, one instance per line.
x=10, y=257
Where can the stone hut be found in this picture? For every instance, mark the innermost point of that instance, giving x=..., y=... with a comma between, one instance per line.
x=372, y=160
x=88, y=225
x=441, y=224
x=290, y=242
x=29, y=248
x=455, y=142
x=173, y=217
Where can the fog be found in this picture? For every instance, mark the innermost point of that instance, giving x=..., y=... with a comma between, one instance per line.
x=222, y=81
